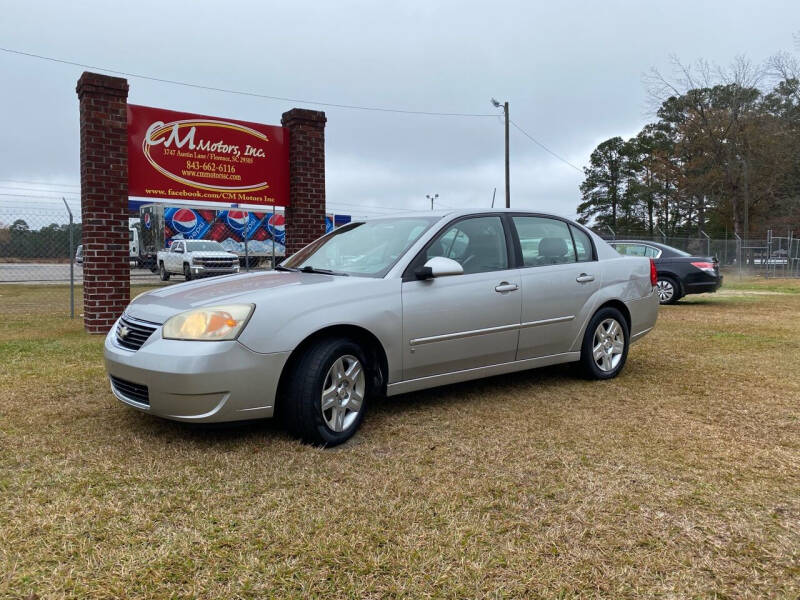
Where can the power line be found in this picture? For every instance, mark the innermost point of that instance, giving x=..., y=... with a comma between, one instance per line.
x=53, y=184
x=27, y=189
x=545, y=148
x=36, y=196
x=245, y=93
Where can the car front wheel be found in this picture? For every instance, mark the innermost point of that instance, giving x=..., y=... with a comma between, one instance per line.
x=327, y=392
x=605, y=344
x=187, y=272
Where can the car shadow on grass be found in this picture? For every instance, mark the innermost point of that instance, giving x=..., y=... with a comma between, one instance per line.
x=268, y=431
x=482, y=390
x=208, y=435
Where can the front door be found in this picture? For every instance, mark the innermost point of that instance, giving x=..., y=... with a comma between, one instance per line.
x=462, y=321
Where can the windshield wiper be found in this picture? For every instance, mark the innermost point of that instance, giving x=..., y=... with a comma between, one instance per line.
x=310, y=269
x=282, y=268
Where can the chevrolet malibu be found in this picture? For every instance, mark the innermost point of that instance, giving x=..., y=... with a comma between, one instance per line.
x=382, y=307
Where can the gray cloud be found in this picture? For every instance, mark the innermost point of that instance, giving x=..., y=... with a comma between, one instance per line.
x=572, y=72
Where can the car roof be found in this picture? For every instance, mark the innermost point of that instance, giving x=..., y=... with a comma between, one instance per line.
x=460, y=212
x=658, y=245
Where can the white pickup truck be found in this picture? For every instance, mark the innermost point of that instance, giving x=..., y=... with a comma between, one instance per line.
x=196, y=258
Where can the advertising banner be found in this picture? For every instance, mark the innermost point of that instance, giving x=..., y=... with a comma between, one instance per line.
x=182, y=156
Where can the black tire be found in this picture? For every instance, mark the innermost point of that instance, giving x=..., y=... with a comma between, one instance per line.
x=301, y=401
x=187, y=272
x=669, y=283
x=163, y=275
x=589, y=365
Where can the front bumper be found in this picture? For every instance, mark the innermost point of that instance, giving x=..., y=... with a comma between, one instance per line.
x=195, y=381
x=206, y=271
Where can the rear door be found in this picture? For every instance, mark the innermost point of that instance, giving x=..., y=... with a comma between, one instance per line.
x=462, y=321
x=175, y=257
x=559, y=276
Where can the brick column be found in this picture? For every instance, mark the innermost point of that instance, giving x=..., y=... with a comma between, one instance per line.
x=305, y=215
x=104, y=199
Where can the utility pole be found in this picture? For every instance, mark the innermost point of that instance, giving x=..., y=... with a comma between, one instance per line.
x=431, y=198
x=508, y=172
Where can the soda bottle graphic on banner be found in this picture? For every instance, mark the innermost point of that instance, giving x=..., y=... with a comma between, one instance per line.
x=258, y=227
x=219, y=232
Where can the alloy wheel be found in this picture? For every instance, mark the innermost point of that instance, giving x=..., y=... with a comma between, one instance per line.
x=343, y=393
x=608, y=345
x=665, y=290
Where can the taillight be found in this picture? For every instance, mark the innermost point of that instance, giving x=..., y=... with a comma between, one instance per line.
x=653, y=273
x=705, y=266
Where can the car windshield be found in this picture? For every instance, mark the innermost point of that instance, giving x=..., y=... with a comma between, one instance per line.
x=204, y=246
x=367, y=249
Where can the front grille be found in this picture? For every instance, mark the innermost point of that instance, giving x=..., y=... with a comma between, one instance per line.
x=131, y=391
x=216, y=262
x=135, y=333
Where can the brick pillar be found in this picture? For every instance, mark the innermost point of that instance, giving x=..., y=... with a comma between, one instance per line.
x=305, y=215
x=104, y=199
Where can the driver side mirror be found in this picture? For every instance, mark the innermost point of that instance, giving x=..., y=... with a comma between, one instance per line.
x=439, y=266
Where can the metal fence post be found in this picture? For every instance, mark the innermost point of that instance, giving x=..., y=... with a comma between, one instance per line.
x=738, y=253
x=246, y=231
x=71, y=265
x=708, y=242
x=272, y=239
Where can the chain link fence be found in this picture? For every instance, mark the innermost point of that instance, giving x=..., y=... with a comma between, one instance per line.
x=38, y=247
x=770, y=256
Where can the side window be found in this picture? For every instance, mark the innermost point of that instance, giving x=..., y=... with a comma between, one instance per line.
x=544, y=241
x=631, y=249
x=583, y=245
x=478, y=244
x=177, y=246
x=651, y=252
x=452, y=244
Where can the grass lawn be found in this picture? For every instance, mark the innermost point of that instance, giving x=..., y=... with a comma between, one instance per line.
x=679, y=479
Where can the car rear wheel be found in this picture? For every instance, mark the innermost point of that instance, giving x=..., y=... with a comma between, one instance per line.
x=326, y=395
x=605, y=344
x=187, y=272
x=667, y=290
x=163, y=275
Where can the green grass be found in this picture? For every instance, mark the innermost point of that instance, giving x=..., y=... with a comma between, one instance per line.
x=679, y=479
x=762, y=284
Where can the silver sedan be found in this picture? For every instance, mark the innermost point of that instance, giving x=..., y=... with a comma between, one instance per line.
x=382, y=307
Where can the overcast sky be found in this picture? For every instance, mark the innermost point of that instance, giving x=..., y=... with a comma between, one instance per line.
x=572, y=72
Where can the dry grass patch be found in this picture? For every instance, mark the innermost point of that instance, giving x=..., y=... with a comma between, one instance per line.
x=680, y=478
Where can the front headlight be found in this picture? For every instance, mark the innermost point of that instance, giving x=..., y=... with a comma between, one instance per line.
x=208, y=324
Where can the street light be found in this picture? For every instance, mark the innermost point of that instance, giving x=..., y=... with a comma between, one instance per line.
x=504, y=106
x=431, y=198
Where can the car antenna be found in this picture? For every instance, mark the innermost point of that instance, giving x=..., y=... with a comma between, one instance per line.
x=494, y=193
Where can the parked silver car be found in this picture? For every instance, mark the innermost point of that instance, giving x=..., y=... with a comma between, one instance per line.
x=386, y=306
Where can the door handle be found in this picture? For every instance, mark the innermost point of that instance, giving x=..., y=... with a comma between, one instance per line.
x=584, y=278
x=504, y=286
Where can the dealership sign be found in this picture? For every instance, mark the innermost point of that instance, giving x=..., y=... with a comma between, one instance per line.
x=181, y=156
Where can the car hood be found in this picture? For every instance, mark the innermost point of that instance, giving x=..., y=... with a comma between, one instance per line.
x=250, y=288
